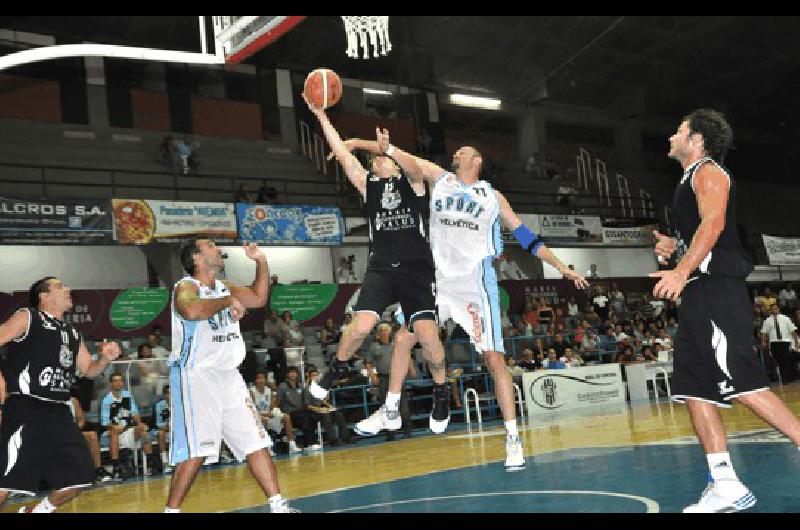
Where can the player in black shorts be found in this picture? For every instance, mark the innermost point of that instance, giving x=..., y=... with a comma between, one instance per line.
x=39, y=441
x=400, y=270
x=715, y=358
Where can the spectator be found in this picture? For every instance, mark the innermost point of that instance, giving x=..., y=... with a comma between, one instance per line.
x=531, y=315
x=769, y=300
x=167, y=153
x=567, y=197
x=527, y=361
x=626, y=356
x=551, y=168
x=553, y=362
x=345, y=272
x=161, y=415
x=507, y=269
x=646, y=309
x=290, y=401
x=608, y=341
x=154, y=341
x=592, y=272
x=573, y=311
x=322, y=411
x=787, y=299
x=617, y=300
x=370, y=373
x=546, y=313
x=272, y=326
x=664, y=340
x=266, y=403
x=513, y=368
x=779, y=333
x=90, y=435
x=619, y=334
x=243, y=195
x=381, y=356
x=572, y=359
x=639, y=331
x=119, y=415
x=330, y=334
x=592, y=317
x=559, y=345
x=291, y=329
x=348, y=318
x=187, y=158
x=600, y=302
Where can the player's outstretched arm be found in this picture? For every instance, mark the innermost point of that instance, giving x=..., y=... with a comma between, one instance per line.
x=192, y=307
x=415, y=167
x=534, y=244
x=352, y=167
x=255, y=295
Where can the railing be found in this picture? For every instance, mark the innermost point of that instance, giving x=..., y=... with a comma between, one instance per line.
x=171, y=181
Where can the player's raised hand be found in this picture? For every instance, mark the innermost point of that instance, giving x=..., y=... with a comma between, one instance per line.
x=350, y=145
x=579, y=281
x=110, y=350
x=253, y=251
x=383, y=139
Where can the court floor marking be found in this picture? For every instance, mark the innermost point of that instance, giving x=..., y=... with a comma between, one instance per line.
x=650, y=505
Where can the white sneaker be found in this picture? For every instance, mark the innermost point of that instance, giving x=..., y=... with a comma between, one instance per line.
x=379, y=420
x=723, y=496
x=168, y=469
x=317, y=391
x=293, y=447
x=314, y=447
x=515, y=458
x=271, y=451
x=282, y=506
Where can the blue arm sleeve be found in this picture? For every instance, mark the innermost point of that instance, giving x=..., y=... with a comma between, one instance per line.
x=105, y=412
x=527, y=239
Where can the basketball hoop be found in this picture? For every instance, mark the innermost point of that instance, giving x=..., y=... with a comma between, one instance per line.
x=360, y=29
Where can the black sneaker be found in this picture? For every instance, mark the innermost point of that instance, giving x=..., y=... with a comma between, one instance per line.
x=118, y=475
x=102, y=476
x=440, y=413
x=337, y=371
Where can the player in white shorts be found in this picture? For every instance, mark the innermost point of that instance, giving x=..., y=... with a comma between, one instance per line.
x=465, y=237
x=209, y=400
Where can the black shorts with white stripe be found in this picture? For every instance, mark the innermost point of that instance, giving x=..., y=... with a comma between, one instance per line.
x=715, y=357
x=40, y=441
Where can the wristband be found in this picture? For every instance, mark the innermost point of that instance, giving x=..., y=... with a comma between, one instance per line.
x=527, y=239
x=389, y=150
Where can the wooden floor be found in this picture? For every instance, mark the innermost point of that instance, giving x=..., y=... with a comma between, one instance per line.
x=230, y=488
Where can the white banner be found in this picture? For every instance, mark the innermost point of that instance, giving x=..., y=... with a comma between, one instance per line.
x=634, y=235
x=571, y=228
x=782, y=250
x=550, y=391
x=138, y=222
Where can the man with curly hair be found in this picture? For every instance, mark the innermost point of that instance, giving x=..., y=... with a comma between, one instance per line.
x=715, y=359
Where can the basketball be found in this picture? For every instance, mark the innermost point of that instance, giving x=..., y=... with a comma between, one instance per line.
x=323, y=88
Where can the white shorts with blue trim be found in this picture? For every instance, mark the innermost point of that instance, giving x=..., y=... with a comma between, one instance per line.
x=473, y=302
x=208, y=406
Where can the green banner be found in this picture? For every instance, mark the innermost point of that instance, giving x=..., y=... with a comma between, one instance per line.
x=505, y=300
x=304, y=301
x=136, y=308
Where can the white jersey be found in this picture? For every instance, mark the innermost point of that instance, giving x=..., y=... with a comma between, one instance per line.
x=215, y=342
x=464, y=225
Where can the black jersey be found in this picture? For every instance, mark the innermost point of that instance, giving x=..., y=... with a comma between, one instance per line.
x=41, y=363
x=397, y=226
x=727, y=257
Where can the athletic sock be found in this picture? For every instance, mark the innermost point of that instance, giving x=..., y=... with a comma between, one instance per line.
x=165, y=458
x=44, y=506
x=721, y=467
x=275, y=500
x=172, y=510
x=392, y=401
x=511, y=428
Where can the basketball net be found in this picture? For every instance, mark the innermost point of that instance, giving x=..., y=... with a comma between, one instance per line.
x=366, y=31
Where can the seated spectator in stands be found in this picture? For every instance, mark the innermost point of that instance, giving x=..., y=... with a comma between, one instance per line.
x=573, y=312
x=648, y=355
x=161, y=415
x=638, y=331
x=290, y=401
x=664, y=340
x=272, y=326
x=330, y=334
x=553, y=362
x=291, y=329
x=527, y=361
x=551, y=168
x=601, y=303
x=758, y=302
x=592, y=317
x=769, y=299
x=187, y=157
x=649, y=339
x=608, y=341
x=90, y=435
x=787, y=299
x=626, y=356
x=522, y=329
x=617, y=300
x=531, y=315
x=619, y=334
x=591, y=274
x=572, y=358
x=506, y=327
x=370, y=373
x=546, y=313
x=567, y=197
x=149, y=368
x=590, y=344
x=155, y=342
x=168, y=154
x=645, y=308
x=559, y=345
x=514, y=369
x=266, y=403
x=243, y=195
x=119, y=415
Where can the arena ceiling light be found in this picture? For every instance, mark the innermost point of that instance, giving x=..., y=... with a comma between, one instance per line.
x=376, y=92
x=475, y=101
